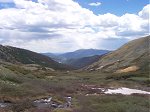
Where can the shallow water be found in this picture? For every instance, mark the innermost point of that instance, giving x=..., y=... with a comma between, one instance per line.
x=49, y=103
x=43, y=103
x=3, y=105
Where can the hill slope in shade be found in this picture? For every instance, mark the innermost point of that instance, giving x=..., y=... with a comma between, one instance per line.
x=22, y=56
x=54, y=57
x=82, y=62
x=130, y=57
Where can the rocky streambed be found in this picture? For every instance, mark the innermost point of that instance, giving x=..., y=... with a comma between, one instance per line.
x=49, y=103
x=4, y=104
x=43, y=103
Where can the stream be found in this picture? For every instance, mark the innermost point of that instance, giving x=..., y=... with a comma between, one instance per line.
x=43, y=103
x=4, y=104
x=50, y=103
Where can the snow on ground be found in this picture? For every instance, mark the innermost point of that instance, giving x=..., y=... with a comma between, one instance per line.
x=125, y=91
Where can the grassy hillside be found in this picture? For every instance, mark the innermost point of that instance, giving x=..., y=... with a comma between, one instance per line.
x=130, y=57
x=22, y=56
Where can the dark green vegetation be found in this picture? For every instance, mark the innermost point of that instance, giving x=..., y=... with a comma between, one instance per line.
x=22, y=56
x=114, y=103
x=21, y=85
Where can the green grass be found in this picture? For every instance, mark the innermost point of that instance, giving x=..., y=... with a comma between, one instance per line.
x=113, y=103
x=19, y=85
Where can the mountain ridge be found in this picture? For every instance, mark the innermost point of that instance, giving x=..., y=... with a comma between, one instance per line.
x=17, y=55
x=78, y=54
x=83, y=53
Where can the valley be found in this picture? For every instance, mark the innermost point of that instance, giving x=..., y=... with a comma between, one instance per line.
x=32, y=82
x=74, y=56
x=21, y=87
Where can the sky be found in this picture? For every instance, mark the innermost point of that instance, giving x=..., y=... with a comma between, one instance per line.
x=66, y=25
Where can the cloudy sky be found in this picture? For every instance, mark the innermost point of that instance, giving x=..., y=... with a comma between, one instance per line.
x=67, y=25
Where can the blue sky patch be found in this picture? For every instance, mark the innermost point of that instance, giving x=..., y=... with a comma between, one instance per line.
x=117, y=7
x=6, y=5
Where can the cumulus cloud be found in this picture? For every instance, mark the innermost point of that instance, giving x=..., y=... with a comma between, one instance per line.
x=63, y=25
x=145, y=12
x=95, y=4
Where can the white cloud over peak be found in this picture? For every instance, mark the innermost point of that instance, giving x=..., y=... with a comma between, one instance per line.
x=95, y=4
x=63, y=25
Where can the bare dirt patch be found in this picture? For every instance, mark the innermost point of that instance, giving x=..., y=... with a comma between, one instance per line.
x=128, y=69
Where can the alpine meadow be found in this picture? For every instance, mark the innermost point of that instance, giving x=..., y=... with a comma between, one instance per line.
x=74, y=56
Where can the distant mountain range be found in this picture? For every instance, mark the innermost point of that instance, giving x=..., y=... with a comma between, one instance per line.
x=21, y=56
x=83, y=53
x=79, y=58
x=133, y=56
